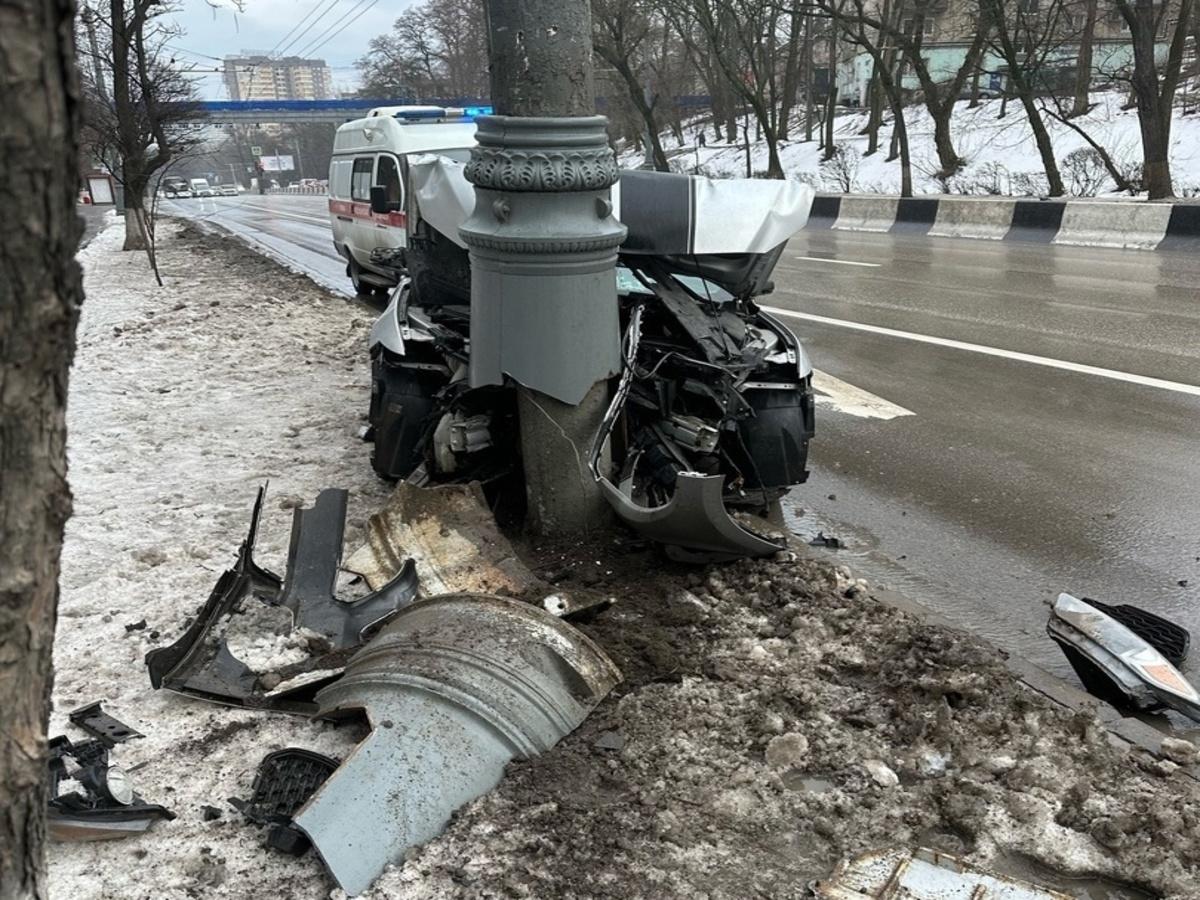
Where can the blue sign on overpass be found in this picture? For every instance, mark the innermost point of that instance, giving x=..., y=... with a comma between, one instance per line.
x=251, y=112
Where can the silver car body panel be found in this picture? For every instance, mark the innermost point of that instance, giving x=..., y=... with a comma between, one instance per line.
x=454, y=688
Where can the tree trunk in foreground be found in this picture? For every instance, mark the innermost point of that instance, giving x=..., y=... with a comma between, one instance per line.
x=40, y=293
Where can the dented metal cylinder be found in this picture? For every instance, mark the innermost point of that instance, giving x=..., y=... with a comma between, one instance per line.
x=454, y=687
x=543, y=244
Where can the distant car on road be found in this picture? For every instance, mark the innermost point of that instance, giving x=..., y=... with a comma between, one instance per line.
x=201, y=188
x=228, y=190
x=175, y=186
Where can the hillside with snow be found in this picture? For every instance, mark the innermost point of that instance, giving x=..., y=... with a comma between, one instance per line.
x=1000, y=152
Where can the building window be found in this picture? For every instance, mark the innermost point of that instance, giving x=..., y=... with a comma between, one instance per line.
x=908, y=26
x=360, y=179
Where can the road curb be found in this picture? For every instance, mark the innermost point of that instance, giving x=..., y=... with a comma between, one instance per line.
x=1125, y=731
x=1132, y=225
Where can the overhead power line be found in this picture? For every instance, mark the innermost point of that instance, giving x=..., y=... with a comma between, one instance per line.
x=310, y=49
x=305, y=18
x=307, y=28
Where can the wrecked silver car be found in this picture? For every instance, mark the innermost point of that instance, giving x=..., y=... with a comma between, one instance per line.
x=712, y=418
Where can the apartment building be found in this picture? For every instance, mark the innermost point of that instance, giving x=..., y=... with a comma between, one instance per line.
x=261, y=77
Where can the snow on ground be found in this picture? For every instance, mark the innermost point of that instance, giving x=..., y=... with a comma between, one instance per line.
x=183, y=400
x=1001, y=155
x=774, y=716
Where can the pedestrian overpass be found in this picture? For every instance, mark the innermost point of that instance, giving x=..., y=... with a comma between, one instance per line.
x=252, y=112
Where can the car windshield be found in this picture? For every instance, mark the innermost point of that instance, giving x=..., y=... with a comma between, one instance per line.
x=628, y=283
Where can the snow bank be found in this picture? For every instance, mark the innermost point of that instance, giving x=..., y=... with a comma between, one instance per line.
x=1001, y=155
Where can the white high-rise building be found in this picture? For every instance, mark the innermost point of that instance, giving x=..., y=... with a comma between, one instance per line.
x=261, y=77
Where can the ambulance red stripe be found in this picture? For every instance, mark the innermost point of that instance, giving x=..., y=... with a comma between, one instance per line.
x=363, y=211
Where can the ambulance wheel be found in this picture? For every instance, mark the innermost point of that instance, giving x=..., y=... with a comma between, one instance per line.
x=361, y=285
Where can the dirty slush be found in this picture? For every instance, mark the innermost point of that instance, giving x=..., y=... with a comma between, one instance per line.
x=773, y=719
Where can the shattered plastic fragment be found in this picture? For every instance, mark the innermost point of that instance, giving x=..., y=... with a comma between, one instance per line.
x=100, y=725
x=284, y=782
x=200, y=662
x=106, y=806
x=314, y=558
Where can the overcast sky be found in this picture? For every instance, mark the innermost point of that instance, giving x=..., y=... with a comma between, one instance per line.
x=215, y=29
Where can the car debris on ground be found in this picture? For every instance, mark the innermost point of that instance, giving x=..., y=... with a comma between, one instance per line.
x=284, y=782
x=922, y=874
x=453, y=686
x=1118, y=662
x=91, y=799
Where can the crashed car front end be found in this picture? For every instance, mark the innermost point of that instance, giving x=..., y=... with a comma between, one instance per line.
x=711, y=421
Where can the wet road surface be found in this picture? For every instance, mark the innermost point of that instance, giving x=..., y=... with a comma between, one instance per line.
x=1014, y=479
x=1054, y=436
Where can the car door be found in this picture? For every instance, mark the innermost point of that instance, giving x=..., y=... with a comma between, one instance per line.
x=362, y=227
x=390, y=227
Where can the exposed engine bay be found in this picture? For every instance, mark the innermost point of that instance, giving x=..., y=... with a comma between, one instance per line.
x=713, y=411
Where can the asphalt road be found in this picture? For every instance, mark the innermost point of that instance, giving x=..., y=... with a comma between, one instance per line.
x=1043, y=426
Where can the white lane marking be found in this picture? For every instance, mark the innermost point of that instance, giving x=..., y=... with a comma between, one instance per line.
x=840, y=262
x=854, y=401
x=1144, y=380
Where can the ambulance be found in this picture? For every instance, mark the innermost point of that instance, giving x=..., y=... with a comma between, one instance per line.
x=372, y=153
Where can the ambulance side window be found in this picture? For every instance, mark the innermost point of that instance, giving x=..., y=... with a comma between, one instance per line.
x=388, y=178
x=360, y=179
x=339, y=178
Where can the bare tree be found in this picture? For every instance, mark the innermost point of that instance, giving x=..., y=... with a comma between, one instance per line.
x=146, y=115
x=1024, y=35
x=621, y=35
x=938, y=95
x=851, y=18
x=1154, y=86
x=743, y=37
x=792, y=72
x=40, y=293
x=437, y=50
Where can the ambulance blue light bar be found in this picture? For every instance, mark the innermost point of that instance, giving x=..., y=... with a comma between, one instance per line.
x=438, y=113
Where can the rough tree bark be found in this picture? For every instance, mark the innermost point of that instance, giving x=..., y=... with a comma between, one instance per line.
x=40, y=292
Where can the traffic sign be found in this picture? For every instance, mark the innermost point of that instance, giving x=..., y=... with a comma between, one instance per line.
x=256, y=151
